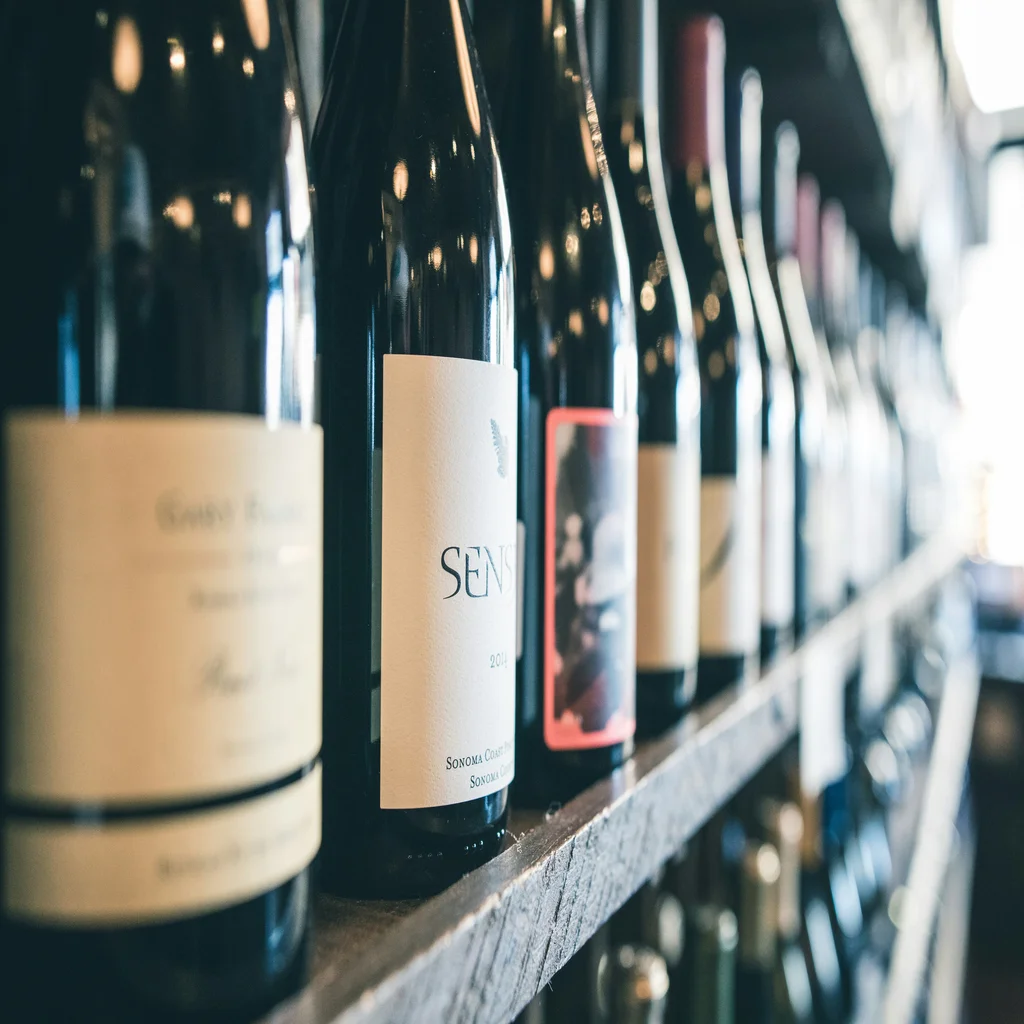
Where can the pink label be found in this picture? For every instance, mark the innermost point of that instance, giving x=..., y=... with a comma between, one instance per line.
x=590, y=579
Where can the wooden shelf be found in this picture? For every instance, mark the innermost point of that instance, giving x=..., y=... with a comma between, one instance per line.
x=935, y=844
x=478, y=952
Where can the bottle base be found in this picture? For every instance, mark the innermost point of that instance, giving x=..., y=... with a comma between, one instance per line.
x=228, y=965
x=662, y=698
x=716, y=673
x=409, y=854
x=548, y=778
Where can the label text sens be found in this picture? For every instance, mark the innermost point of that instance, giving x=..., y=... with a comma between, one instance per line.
x=479, y=570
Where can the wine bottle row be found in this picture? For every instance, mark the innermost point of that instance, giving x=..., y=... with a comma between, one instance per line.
x=784, y=906
x=569, y=419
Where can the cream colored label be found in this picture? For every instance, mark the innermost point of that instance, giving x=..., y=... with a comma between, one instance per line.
x=150, y=870
x=822, y=718
x=878, y=667
x=778, y=536
x=668, y=557
x=730, y=531
x=448, y=581
x=163, y=605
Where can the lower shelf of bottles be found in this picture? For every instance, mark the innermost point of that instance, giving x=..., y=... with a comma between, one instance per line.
x=478, y=952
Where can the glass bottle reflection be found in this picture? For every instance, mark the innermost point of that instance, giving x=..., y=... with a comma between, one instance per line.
x=577, y=361
x=415, y=272
x=668, y=568
x=156, y=187
x=730, y=371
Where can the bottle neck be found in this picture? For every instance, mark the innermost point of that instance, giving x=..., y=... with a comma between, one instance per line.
x=784, y=187
x=626, y=61
x=833, y=272
x=808, y=239
x=743, y=105
x=699, y=137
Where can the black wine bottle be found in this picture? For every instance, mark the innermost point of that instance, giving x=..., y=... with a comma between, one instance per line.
x=778, y=404
x=579, y=991
x=668, y=509
x=758, y=935
x=161, y=475
x=578, y=455
x=730, y=519
x=419, y=411
x=638, y=985
x=824, y=952
x=792, y=992
x=711, y=941
x=810, y=398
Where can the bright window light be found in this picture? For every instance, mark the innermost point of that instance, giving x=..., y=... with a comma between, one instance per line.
x=988, y=36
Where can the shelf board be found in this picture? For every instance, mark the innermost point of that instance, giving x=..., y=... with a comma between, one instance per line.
x=935, y=845
x=479, y=951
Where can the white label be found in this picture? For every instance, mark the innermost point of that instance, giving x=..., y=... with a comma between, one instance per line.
x=154, y=869
x=163, y=605
x=520, y=581
x=778, y=565
x=730, y=530
x=448, y=581
x=668, y=557
x=878, y=667
x=822, y=718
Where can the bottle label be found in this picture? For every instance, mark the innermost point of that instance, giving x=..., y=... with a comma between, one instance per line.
x=159, y=868
x=590, y=578
x=668, y=557
x=778, y=539
x=163, y=612
x=730, y=531
x=448, y=581
x=520, y=577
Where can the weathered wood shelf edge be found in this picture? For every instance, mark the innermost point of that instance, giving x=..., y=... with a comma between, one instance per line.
x=934, y=843
x=478, y=952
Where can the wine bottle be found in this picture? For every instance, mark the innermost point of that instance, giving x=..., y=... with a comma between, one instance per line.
x=824, y=952
x=874, y=356
x=837, y=259
x=580, y=990
x=831, y=575
x=711, y=945
x=419, y=410
x=638, y=986
x=578, y=402
x=162, y=530
x=880, y=666
x=811, y=398
x=758, y=935
x=730, y=517
x=778, y=403
x=792, y=993
x=668, y=509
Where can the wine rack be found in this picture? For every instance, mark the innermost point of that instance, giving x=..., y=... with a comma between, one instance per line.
x=478, y=952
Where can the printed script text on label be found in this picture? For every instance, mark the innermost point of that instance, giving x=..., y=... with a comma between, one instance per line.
x=448, y=580
x=163, y=605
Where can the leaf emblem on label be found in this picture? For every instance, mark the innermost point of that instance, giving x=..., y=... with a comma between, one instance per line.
x=500, y=448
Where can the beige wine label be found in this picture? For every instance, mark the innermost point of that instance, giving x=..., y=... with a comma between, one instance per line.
x=448, y=581
x=730, y=533
x=152, y=869
x=668, y=557
x=163, y=605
